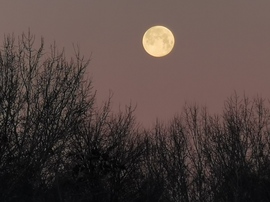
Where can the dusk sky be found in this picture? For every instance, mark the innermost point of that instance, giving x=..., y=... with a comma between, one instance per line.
x=220, y=47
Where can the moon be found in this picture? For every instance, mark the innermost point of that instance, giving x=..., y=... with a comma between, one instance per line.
x=158, y=41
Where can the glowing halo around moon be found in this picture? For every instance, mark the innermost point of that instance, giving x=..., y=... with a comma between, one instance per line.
x=158, y=41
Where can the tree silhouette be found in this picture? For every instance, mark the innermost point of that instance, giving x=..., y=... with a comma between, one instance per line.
x=43, y=101
x=56, y=145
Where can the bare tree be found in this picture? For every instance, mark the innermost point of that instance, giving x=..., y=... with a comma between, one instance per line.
x=106, y=156
x=202, y=157
x=237, y=151
x=55, y=145
x=43, y=100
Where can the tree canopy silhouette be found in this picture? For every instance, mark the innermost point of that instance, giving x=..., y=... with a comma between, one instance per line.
x=56, y=145
x=43, y=101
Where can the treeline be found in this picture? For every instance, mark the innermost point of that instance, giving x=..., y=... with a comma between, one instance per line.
x=56, y=145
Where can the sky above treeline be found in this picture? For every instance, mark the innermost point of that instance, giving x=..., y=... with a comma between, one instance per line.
x=221, y=47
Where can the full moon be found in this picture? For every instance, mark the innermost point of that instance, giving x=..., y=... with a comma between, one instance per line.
x=158, y=41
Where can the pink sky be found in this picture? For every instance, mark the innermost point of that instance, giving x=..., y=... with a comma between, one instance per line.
x=221, y=47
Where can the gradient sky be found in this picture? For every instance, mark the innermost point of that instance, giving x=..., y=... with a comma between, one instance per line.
x=221, y=47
